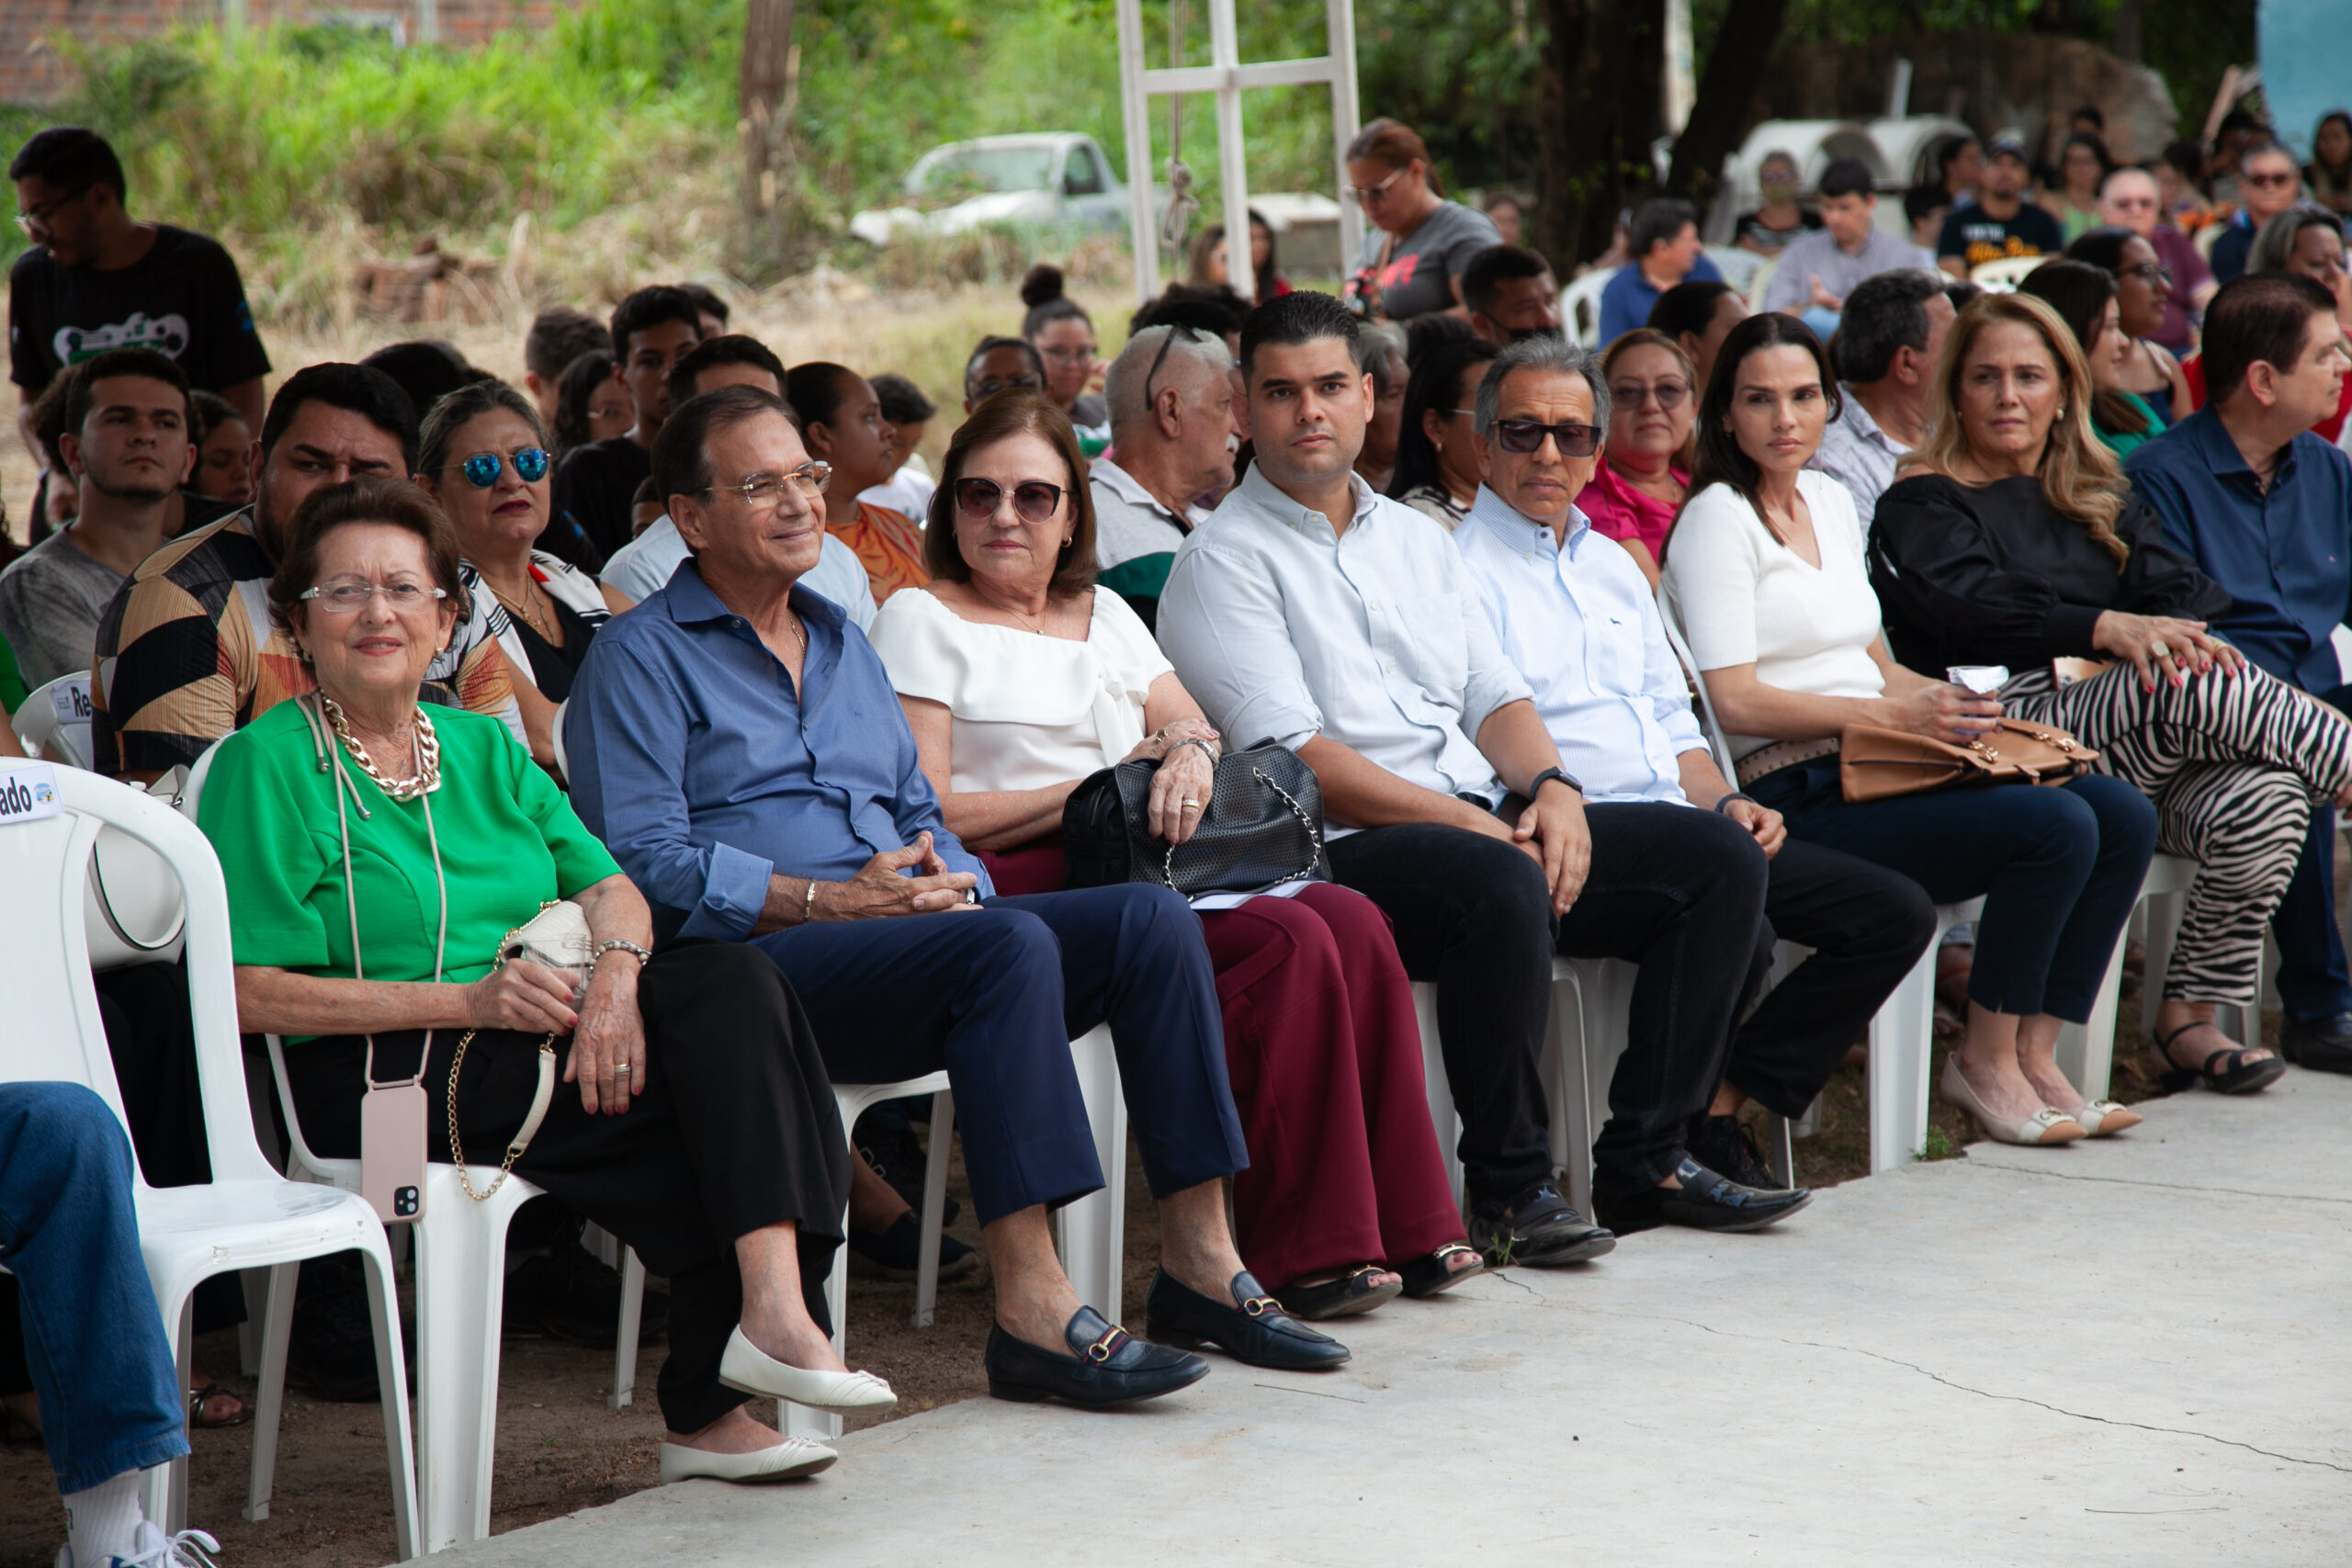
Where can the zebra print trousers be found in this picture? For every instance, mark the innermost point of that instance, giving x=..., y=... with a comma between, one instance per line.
x=2233, y=765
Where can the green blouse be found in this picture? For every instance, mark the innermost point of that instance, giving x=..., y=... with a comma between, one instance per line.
x=2123, y=445
x=509, y=843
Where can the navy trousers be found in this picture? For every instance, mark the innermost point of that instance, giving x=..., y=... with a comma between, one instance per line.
x=996, y=996
x=2313, y=983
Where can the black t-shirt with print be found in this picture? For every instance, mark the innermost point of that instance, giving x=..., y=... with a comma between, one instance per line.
x=182, y=298
x=1977, y=236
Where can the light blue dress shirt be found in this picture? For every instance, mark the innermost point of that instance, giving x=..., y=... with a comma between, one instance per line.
x=705, y=773
x=642, y=568
x=1578, y=621
x=1285, y=630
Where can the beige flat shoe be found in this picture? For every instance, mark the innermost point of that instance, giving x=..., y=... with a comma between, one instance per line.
x=2099, y=1117
x=793, y=1457
x=2045, y=1126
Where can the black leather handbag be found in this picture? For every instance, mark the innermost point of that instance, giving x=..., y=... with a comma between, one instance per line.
x=1263, y=827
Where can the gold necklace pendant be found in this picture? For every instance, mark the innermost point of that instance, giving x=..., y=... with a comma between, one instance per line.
x=424, y=749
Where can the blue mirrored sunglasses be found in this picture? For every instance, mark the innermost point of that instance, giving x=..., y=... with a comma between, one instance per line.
x=482, y=470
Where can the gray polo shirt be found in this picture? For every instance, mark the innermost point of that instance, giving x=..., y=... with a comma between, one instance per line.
x=50, y=599
x=1818, y=254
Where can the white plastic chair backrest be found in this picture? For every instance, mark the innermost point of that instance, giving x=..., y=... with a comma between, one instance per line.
x=562, y=764
x=1681, y=647
x=2004, y=272
x=54, y=722
x=196, y=777
x=1581, y=305
x=49, y=818
x=1738, y=267
x=1754, y=292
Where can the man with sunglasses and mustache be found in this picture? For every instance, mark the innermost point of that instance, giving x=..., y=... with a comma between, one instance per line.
x=1575, y=614
x=1314, y=613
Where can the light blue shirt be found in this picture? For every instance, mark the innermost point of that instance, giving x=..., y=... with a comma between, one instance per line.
x=642, y=568
x=1285, y=630
x=1627, y=299
x=1578, y=621
x=705, y=773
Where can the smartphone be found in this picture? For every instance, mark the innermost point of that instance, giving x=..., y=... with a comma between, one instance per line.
x=392, y=1122
x=1982, y=679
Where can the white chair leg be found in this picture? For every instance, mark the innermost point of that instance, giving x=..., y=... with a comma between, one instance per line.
x=602, y=1244
x=391, y=1379
x=632, y=1320
x=460, y=1289
x=1091, y=1229
x=1567, y=1086
x=163, y=1491
x=1809, y=1124
x=1779, y=1154
x=277, y=1320
x=2086, y=1052
x=1437, y=1086
x=934, y=1206
x=1901, y=1034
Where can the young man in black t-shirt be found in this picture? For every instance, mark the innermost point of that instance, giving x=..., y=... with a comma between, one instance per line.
x=596, y=483
x=95, y=279
x=2000, y=221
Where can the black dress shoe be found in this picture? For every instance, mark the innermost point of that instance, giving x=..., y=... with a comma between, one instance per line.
x=1538, y=1227
x=1725, y=1145
x=897, y=1253
x=1109, y=1366
x=1705, y=1201
x=1257, y=1330
x=2322, y=1044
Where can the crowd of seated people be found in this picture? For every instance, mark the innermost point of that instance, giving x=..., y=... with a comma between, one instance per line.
x=809, y=692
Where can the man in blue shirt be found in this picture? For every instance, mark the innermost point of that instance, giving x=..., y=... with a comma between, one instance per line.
x=737, y=746
x=2266, y=508
x=1664, y=241
x=1575, y=614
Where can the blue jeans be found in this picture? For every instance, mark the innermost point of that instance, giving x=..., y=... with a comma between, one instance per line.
x=2058, y=869
x=2313, y=983
x=109, y=1393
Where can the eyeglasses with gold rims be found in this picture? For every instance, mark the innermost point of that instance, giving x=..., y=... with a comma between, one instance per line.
x=764, y=491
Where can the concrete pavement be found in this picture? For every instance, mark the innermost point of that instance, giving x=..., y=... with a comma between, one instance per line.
x=2131, y=1352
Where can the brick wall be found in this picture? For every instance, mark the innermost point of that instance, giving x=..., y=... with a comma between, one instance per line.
x=32, y=71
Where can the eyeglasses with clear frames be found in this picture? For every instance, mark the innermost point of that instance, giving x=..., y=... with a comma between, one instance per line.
x=764, y=491
x=38, y=217
x=347, y=596
x=1374, y=195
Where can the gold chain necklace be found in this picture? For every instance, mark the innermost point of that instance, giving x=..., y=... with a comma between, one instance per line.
x=526, y=609
x=428, y=753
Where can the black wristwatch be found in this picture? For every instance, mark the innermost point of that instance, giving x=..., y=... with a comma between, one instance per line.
x=1562, y=774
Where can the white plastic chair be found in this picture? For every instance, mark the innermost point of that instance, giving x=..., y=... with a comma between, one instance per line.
x=1562, y=1068
x=1580, y=305
x=562, y=763
x=2002, y=274
x=247, y=1216
x=54, y=722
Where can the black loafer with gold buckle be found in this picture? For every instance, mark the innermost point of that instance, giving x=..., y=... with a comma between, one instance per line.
x=1108, y=1367
x=1254, y=1329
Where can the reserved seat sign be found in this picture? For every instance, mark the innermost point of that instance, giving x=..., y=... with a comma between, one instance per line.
x=27, y=792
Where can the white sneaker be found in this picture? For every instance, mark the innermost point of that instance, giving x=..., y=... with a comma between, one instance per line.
x=153, y=1548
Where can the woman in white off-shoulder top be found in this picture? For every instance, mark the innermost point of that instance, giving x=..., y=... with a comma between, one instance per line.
x=1020, y=679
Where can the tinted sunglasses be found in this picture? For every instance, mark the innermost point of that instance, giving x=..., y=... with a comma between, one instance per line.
x=482, y=470
x=1522, y=436
x=1034, y=501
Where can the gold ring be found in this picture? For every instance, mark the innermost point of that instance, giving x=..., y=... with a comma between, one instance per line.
x=1193, y=803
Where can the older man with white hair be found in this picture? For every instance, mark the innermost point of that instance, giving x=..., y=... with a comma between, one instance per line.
x=1173, y=434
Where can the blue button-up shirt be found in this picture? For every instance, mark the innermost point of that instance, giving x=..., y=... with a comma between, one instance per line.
x=2284, y=553
x=705, y=773
x=1578, y=620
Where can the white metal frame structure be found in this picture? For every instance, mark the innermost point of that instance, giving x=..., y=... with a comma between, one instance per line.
x=1226, y=78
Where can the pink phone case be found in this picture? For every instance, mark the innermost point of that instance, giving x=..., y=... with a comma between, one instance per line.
x=392, y=1122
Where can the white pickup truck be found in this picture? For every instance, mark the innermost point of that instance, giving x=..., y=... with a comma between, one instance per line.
x=1055, y=180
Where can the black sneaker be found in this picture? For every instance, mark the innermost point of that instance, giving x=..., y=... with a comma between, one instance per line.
x=886, y=1143
x=1727, y=1145
x=1705, y=1201
x=2322, y=1044
x=566, y=1292
x=1538, y=1227
x=331, y=1350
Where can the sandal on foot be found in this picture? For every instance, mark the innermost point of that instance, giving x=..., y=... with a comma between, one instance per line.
x=1434, y=1273
x=198, y=1398
x=2240, y=1076
x=1351, y=1293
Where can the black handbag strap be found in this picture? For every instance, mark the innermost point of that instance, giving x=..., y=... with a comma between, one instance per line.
x=1313, y=834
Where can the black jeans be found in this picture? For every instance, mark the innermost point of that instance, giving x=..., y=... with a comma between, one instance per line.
x=1676, y=891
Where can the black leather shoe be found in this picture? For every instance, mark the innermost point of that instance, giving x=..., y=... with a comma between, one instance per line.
x=1538, y=1227
x=897, y=1253
x=1723, y=1144
x=2322, y=1044
x=1257, y=1330
x=1705, y=1201
x=1109, y=1366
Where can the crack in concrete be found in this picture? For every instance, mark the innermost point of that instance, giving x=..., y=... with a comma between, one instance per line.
x=1508, y=1279
x=1989, y=1394
x=2163, y=1185
x=1315, y=1392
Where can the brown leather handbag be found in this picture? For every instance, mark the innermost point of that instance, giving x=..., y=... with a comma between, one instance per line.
x=1879, y=764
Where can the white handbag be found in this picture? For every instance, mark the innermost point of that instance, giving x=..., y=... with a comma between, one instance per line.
x=557, y=936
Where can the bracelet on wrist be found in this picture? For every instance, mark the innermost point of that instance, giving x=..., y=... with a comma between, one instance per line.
x=808, y=903
x=644, y=955
x=1735, y=795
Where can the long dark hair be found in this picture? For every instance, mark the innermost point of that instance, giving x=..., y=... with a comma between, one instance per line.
x=1721, y=461
x=2079, y=291
x=1436, y=383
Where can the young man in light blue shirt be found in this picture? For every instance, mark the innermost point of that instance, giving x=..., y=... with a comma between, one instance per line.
x=1575, y=615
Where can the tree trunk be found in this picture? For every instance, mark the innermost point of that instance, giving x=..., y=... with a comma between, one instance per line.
x=1602, y=102
x=1735, y=62
x=763, y=99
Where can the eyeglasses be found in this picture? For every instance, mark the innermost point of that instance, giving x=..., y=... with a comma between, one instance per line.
x=1523, y=436
x=764, y=491
x=1034, y=501
x=1191, y=334
x=2148, y=272
x=1668, y=394
x=1070, y=356
x=2268, y=182
x=349, y=597
x=39, y=216
x=995, y=384
x=482, y=470
x=1372, y=196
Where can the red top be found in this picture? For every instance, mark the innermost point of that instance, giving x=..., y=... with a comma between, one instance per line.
x=2327, y=430
x=1621, y=512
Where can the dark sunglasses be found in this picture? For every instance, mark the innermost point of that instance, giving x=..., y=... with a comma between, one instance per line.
x=1034, y=501
x=482, y=470
x=1522, y=436
x=1191, y=334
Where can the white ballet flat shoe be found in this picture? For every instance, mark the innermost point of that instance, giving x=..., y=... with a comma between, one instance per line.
x=2102, y=1117
x=2045, y=1126
x=794, y=1456
x=747, y=1369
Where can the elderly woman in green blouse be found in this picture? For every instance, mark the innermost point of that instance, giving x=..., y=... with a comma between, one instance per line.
x=377, y=854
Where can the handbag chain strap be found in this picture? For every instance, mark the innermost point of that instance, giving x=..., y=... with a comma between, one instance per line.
x=1314, y=838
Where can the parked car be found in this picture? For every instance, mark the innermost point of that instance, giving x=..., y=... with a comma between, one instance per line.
x=1056, y=180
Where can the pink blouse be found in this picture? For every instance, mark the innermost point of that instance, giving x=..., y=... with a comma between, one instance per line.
x=1621, y=512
